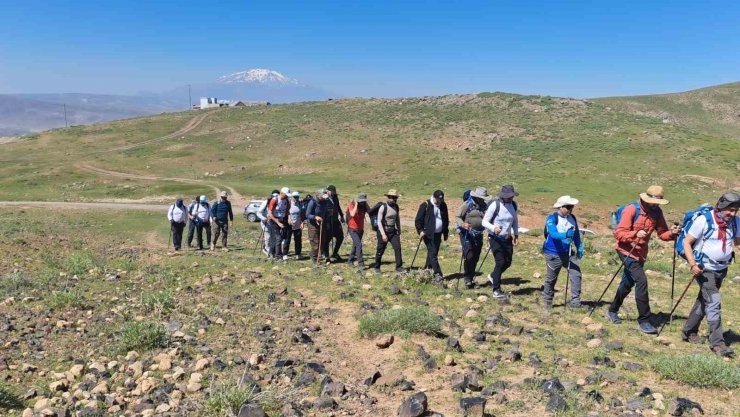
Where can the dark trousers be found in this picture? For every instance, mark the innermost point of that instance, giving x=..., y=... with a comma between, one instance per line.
x=394, y=238
x=503, y=253
x=191, y=232
x=337, y=232
x=176, y=229
x=356, y=253
x=204, y=226
x=634, y=276
x=296, y=235
x=432, y=243
x=221, y=227
x=707, y=305
x=314, y=236
x=279, y=235
x=471, y=249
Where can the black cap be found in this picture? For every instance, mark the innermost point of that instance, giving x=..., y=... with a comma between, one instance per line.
x=332, y=189
x=439, y=195
x=728, y=200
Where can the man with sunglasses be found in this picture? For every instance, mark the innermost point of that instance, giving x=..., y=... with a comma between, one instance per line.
x=708, y=248
x=637, y=223
x=561, y=230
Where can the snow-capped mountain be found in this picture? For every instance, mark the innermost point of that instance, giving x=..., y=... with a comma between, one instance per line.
x=258, y=76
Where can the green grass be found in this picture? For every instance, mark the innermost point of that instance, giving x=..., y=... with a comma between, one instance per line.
x=404, y=322
x=160, y=302
x=62, y=300
x=80, y=263
x=226, y=400
x=13, y=283
x=9, y=400
x=142, y=336
x=697, y=370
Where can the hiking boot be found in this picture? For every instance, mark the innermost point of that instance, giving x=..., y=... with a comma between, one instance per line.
x=723, y=350
x=285, y=257
x=400, y=270
x=469, y=283
x=336, y=258
x=647, y=328
x=693, y=338
x=265, y=252
x=377, y=271
x=298, y=257
x=613, y=317
x=547, y=308
x=499, y=294
x=575, y=304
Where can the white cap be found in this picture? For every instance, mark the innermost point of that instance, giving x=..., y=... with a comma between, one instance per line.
x=565, y=200
x=285, y=190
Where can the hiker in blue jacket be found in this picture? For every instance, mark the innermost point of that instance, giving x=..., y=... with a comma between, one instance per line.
x=221, y=215
x=561, y=230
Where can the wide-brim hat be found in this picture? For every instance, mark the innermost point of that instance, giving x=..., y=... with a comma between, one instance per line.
x=565, y=200
x=728, y=200
x=654, y=195
x=480, y=192
x=507, y=191
x=224, y=194
x=392, y=193
x=285, y=190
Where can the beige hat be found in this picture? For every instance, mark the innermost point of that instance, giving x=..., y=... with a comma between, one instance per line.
x=223, y=194
x=654, y=195
x=392, y=193
x=565, y=200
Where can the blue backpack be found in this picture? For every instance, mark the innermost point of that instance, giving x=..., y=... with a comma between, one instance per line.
x=617, y=215
x=688, y=221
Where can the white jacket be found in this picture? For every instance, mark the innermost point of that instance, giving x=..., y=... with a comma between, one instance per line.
x=176, y=214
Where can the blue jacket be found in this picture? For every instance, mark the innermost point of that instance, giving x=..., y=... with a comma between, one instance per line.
x=317, y=207
x=558, y=241
x=221, y=211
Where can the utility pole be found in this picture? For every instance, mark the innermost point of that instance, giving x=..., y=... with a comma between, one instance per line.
x=65, y=115
x=190, y=99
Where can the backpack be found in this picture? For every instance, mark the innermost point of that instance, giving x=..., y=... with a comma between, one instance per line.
x=617, y=215
x=470, y=203
x=497, y=202
x=303, y=205
x=544, y=230
x=373, y=213
x=688, y=221
x=466, y=195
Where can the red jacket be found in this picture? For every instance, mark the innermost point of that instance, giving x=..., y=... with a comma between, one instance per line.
x=626, y=232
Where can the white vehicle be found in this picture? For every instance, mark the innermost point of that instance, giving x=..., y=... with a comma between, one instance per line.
x=250, y=211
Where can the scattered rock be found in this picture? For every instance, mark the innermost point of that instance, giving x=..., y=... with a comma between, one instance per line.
x=474, y=406
x=556, y=403
x=414, y=406
x=454, y=344
x=594, y=343
x=680, y=406
x=512, y=356
x=631, y=366
x=384, y=341
x=552, y=386
x=634, y=404
x=251, y=410
x=614, y=345
x=458, y=382
x=290, y=410
x=372, y=378
x=449, y=360
x=324, y=403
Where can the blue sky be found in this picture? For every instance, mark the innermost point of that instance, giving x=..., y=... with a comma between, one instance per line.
x=372, y=48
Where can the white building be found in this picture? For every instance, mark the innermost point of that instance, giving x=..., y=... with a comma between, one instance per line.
x=208, y=102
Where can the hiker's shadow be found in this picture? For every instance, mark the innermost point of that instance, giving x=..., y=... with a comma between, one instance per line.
x=731, y=337
x=662, y=317
x=514, y=281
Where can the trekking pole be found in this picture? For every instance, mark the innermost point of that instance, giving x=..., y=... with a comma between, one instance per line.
x=321, y=233
x=610, y=282
x=169, y=237
x=677, y=303
x=673, y=271
x=259, y=239
x=462, y=255
x=415, y=253
x=484, y=259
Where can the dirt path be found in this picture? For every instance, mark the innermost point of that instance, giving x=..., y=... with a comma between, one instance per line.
x=91, y=206
x=192, y=124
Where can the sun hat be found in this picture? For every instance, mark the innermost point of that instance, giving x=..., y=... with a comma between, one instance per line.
x=285, y=190
x=361, y=197
x=731, y=200
x=479, y=192
x=223, y=194
x=296, y=194
x=565, y=200
x=507, y=191
x=203, y=199
x=654, y=195
x=392, y=193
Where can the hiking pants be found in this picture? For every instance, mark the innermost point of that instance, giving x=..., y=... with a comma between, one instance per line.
x=337, y=232
x=326, y=239
x=191, y=233
x=503, y=253
x=554, y=264
x=221, y=227
x=177, y=229
x=394, y=238
x=356, y=253
x=707, y=305
x=313, y=239
x=471, y=248
x=200, y=228
x=634, y=276
x=267, y=236
x=296, y=235
x=432, y=243
x=276, y=239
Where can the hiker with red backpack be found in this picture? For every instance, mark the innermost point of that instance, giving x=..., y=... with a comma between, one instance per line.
x=635, y=225
x=561, y=232
x=432, y=224
x=502, y=223
x=708, y=237
x=470, y=226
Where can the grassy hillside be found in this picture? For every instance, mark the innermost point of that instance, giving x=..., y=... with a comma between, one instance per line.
x=603, y=151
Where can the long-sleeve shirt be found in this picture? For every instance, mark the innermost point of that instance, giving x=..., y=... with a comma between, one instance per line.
x=474, y=217
x=316, y=207
x=506, y=219
x=557, y=242
x=221, y=211
x=176, y=214
x=649, y=221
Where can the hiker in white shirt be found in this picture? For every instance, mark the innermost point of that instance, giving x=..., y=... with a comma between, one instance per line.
x=177, y=215
x=502, y=224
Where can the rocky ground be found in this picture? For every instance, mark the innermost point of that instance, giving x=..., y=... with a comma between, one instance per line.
x=96, y=326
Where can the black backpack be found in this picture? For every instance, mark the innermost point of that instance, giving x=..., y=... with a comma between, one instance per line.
x=373, y=212
x=498, y=204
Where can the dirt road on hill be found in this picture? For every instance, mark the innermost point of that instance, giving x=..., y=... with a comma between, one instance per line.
x=192, y=124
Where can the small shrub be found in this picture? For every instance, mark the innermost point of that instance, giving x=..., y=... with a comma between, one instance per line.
x=80, y=262
x=14, y=282
x=697, y=370
x=8, y=400
x=66, y=299
x=227, y=399
x=403, y=321
x=142, y=337
x=160, y=302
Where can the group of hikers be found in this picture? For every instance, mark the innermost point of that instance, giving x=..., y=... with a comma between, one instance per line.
x=705, y=240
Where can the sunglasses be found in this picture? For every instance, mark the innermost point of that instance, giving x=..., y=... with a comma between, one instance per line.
x=568, y=207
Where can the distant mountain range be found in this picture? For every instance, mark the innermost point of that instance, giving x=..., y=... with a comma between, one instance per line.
x=27, y=113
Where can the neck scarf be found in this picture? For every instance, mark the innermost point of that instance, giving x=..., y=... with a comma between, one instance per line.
x=721, y=230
